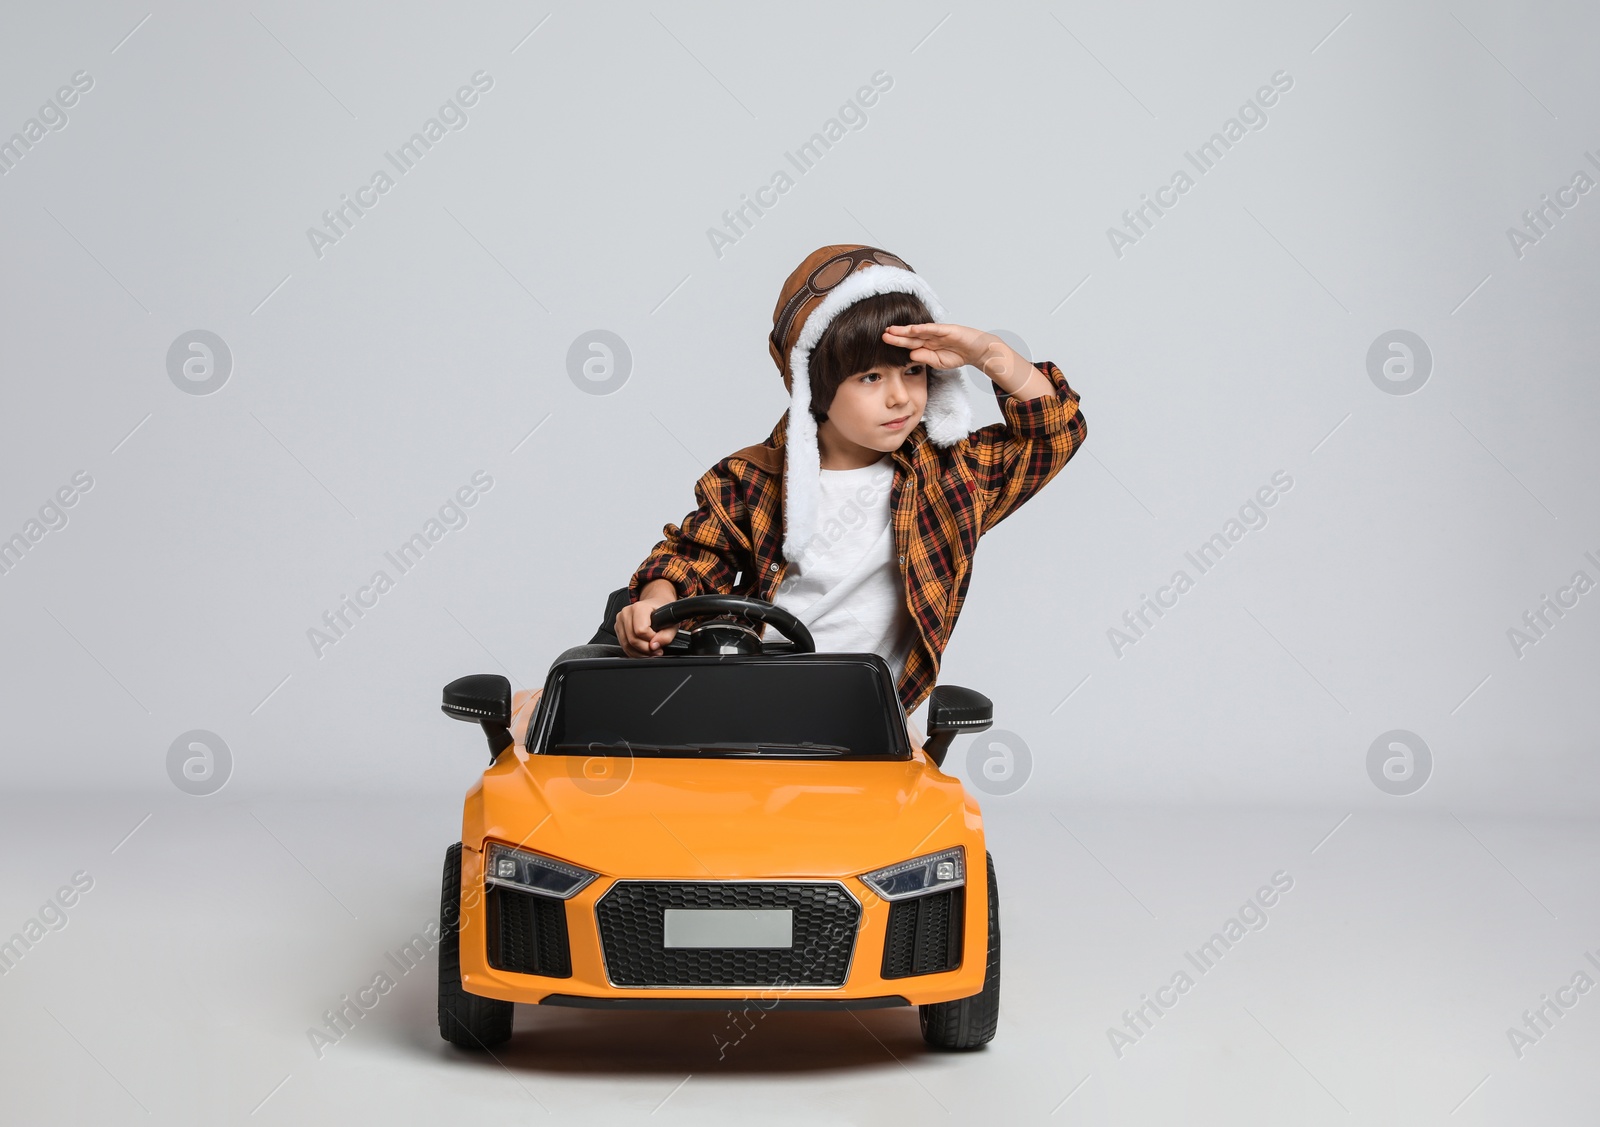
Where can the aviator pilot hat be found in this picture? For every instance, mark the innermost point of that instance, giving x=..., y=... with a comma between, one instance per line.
x=830, y=280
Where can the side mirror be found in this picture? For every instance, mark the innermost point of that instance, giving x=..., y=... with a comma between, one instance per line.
x=953, y=709
x=484, y=698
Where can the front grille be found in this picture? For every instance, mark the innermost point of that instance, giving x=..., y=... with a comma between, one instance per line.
x=528, y=933
x=924, y=934
x=631, y=917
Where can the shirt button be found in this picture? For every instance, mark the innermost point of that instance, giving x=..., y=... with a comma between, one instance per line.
x=902, y=559
x=772, y=567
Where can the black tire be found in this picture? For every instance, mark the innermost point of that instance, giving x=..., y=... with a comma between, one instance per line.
x=969, y=1023
x=465, y=1020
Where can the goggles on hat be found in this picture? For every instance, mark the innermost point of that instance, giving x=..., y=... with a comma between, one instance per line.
x=825, y=277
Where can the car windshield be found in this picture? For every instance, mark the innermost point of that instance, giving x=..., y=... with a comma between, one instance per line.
x=795, y=707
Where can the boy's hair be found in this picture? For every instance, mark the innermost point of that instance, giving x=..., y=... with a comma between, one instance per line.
x=853, y=342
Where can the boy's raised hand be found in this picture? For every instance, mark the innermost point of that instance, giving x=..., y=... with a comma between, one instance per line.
x=948, y=346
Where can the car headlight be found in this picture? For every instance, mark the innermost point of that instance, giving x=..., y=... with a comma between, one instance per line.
x=929, y=873
x=517, y=868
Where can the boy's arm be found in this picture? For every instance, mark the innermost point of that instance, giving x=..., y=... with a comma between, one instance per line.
x=702, y=555
x=1013, y=460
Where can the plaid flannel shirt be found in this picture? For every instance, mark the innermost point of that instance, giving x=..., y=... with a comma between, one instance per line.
x=941, y=502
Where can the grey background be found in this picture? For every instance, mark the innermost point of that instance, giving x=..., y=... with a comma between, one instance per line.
x=1228, y=344
x=432, y=342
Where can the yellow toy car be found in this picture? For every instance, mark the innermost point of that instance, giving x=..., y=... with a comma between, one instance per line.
x=735, y=825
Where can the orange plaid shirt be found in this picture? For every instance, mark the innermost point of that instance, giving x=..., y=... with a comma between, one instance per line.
x=941, y=502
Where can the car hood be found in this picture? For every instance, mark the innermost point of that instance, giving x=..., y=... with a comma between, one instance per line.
x=724, y=818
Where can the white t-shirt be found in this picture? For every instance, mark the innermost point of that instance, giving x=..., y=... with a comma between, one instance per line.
x=846, y=585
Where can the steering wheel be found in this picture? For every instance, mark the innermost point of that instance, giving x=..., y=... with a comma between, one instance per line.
x=737, y=635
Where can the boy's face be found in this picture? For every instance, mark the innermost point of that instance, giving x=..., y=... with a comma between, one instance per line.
x=865, y=403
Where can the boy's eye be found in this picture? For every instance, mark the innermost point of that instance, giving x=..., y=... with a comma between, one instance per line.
x=912, y=370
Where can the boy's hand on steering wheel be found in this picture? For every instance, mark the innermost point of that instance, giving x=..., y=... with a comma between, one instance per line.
x=635, y=634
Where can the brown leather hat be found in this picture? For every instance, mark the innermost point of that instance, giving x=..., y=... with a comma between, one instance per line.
x=830, y=280
x=808, y=285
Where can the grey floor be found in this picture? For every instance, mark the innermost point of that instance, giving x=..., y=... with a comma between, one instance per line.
x=181, y=985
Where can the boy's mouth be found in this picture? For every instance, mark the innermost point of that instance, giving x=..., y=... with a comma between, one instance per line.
x=897, y=424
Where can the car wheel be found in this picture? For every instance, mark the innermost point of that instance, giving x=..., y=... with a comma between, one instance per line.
x=464, y=1019
x=969, y=1023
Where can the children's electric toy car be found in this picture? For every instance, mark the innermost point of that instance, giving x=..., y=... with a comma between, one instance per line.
x=735, y=825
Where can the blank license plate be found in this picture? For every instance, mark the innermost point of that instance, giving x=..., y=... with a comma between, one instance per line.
x=729, y=927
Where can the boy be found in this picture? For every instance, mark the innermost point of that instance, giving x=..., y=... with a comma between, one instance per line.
x=861, y=511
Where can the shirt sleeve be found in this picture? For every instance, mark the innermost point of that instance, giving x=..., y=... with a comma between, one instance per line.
x=701, y=555
x=1014, y=459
